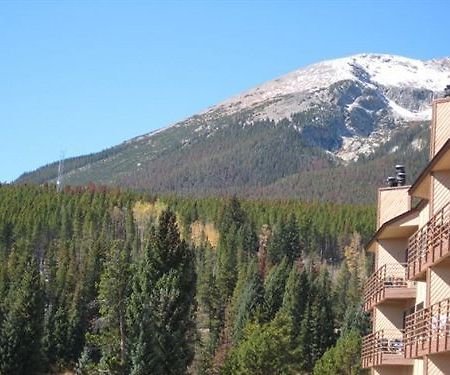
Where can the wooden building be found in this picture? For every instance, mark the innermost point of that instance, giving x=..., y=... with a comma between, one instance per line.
x=408, y=295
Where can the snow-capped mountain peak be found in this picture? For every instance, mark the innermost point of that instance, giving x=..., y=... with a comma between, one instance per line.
x=376, y=69
x=387, y=90
x=390, y=70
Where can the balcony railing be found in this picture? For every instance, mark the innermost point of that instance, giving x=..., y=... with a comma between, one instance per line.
x=427, y=331
x=383, y=347
x=384, y=284
x=430, y=243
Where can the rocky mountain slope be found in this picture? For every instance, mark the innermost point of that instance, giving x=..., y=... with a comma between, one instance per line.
x=286, y=138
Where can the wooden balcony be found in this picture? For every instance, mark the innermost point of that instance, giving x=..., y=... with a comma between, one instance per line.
x=427, y=331
x=429, y=245
x=384, y=347
x=388, y=283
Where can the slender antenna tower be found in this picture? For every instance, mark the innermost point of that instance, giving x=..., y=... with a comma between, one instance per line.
x=60, y=172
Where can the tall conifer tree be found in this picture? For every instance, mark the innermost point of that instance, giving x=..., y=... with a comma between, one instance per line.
x=161, y=310
x=21, y=329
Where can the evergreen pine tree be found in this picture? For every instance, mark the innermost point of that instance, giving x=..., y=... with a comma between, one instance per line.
x=340, y=292
x=343, y=358
x=285, y=242
x=113, y=292
x=292, y=238
x=296, y=297
x=304, y=341
x=322, y=319
x=274, y=288
x=276, y=249
x=227, y=264
x=164, y=289
x=251, y=302
x=21, y=329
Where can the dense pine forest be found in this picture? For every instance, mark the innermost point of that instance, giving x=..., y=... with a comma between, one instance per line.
x=95, y=280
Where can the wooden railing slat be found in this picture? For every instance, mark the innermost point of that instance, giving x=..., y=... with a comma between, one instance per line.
x=422, y=244
x=388, y=275
x=428, y=328
x=376, y=344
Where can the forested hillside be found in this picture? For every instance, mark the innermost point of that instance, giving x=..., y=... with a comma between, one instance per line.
x=264, y=160
x=96, y=280
x=356, y=182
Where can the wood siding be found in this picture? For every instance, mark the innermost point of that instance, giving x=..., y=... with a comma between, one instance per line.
x=419, y=367
x=389, y=317
x=424, y=215
x=441, y=190
x=440, y=127
x=391, y=251
x=392, y=202
x=421, y=292
x=439, y=283
x=439, y=364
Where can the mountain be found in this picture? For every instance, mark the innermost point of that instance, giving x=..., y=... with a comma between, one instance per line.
x=313, y=134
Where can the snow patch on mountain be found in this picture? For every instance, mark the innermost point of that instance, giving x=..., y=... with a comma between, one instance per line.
x=371, y=69
x=405, y=114
x=353, y=147
x=374, y=93
x=390, y=70
x=418, y=144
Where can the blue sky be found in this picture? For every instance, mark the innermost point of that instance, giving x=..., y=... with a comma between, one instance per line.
x=81, y=76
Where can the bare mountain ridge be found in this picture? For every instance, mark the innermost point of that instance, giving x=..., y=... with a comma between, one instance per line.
x=326, y=115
